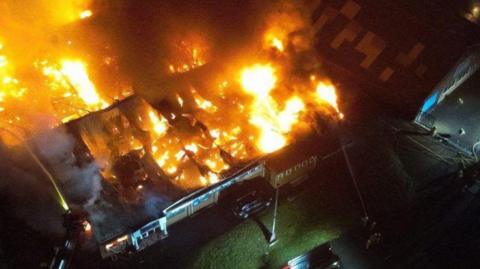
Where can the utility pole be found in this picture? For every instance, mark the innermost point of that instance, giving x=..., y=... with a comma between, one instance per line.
x=273, y=235
x=352, y=174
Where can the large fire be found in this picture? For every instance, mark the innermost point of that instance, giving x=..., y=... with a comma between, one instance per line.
x=274, y=123
x=258, y=109
x=70, y=83
x=76, y=74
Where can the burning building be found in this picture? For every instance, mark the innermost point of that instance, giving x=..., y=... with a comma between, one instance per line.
x=158, y=169
x=145, y=161
x=137, y=185
x=158, y=166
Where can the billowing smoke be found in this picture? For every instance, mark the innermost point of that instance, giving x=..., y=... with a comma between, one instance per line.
x=147, y=44
x=80, y=182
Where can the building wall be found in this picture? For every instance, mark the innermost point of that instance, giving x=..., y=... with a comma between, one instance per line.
x=453, y=107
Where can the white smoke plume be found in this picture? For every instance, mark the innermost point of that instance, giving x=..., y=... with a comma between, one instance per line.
x=81, y=183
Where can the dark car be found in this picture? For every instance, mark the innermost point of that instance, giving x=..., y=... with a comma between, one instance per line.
x=251, y=203
x=320, y=257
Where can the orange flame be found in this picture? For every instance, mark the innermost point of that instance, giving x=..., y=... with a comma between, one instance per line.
x=233, y=124
x=258, y=80
x=160, y=125
x=76, y=73
x=326, y=93
x=272, y=122
x=277, y=43
x=85, y=14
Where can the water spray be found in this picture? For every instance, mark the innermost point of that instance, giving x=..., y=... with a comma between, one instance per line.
x=32, y=154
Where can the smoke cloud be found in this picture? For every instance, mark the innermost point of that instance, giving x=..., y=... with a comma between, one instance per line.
x=31, y=195
x=80, y=182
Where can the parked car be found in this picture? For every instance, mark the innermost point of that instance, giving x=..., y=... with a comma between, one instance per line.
x=320, y=257
x=251, y=203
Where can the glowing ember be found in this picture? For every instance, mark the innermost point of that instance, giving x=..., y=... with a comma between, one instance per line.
x=188, y=51
x=212, y=178
x=277, y=44
x=192, y=147
x=85, y=14
x=179, y=100
x=86, y=226
x=229, y=141
x=202, y=103
x=160, y=126
x=214, y=161
x=215, y=133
